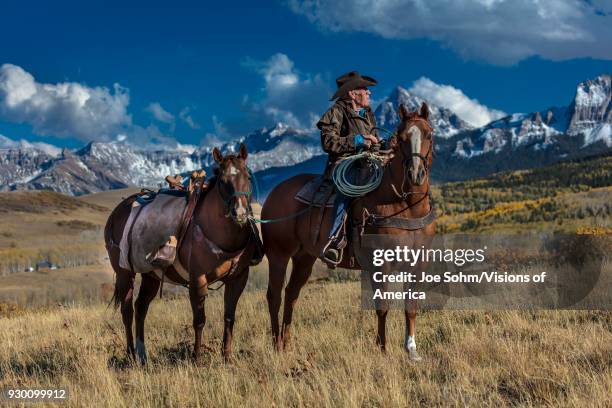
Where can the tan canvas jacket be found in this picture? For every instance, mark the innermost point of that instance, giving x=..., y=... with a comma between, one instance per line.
x=339, y=126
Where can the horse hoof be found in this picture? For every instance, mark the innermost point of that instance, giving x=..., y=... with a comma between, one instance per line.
x=141, y=352
x=413, y=355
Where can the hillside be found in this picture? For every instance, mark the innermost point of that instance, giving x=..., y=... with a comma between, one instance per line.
x=68, y=232
x=566, y=196
x=569, y=195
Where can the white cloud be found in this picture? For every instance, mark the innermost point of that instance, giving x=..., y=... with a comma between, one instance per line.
x=454, y=99
x=211, y=140
x=220, y=129
x=219, y=136
x=67, y=109
x=152, y=138
x=185, y=115
x=498, y=31
x=75, y=110
x=51, y=150
x=290, y=96
x=159, y=113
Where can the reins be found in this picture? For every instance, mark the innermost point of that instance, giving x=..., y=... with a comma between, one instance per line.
x=392, y=220
x=405, y=194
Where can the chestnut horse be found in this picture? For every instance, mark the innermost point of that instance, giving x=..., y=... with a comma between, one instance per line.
x=220, y=219
x=396, y=196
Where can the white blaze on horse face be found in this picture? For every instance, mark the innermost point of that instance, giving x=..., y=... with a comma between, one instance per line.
x=415, y=148
x=241, y=211
x=233, y=171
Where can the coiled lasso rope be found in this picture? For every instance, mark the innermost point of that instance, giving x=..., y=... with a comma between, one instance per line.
x=341, y=174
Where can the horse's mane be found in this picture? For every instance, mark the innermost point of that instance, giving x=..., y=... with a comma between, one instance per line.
x=213, y=180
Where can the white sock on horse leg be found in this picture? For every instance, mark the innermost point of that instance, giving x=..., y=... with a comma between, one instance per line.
x=410, y=342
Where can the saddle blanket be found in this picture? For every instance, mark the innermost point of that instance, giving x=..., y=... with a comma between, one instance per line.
x=151, y=226
x=318, y=192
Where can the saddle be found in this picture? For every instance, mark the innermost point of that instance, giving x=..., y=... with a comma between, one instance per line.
x=167, y=227
x=318, y=192
x=166, y=254
x=176, y=182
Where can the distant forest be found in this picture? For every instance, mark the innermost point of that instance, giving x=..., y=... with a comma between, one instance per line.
x=568, y=196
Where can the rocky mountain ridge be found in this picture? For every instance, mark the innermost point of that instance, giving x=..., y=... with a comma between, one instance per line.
x=462, y=151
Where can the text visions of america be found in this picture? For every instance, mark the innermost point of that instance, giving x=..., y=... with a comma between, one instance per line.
x=458, y=277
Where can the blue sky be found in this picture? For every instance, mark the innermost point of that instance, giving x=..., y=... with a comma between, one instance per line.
x=192, y=71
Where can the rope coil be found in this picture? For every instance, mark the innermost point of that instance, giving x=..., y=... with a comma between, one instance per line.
x=340, y=178
x=341, y=175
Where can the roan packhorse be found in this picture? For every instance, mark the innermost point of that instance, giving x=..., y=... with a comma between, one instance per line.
x=400, y=205
x=217, y=246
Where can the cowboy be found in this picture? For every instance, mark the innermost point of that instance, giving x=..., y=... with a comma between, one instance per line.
x=347, y=127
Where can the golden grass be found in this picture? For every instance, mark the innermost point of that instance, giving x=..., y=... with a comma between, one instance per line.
x=88, y=283
x=471, y=358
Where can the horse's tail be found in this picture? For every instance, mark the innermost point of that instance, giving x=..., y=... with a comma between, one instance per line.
x=110, y=242
x=108, y=228
x=115, y=301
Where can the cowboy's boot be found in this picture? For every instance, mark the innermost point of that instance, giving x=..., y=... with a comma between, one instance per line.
x=332, y=251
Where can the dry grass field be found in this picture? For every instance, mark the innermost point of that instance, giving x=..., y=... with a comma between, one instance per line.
x=471, y=358
x=40, y=225
x=57, y=330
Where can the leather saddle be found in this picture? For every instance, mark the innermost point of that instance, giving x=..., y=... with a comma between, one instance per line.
x=321, y=193
x=318, y=192
x=164, y=255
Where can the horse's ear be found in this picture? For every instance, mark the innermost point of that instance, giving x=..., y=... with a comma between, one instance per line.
x=243, y=151
x=403, y=112
x=217, y=155
x=424, y=111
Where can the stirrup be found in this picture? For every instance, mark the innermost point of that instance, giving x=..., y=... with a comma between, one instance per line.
x=336, y=250
x=331, y=256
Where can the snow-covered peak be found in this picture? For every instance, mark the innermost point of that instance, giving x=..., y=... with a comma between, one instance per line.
x=279, y=146
x=445, y=122
x=595, y=92
x=101, y=149
x=591, y=111
x=22, y=144
x=279, y=129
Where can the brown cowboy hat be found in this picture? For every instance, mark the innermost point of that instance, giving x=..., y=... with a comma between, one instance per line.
x=350, y=81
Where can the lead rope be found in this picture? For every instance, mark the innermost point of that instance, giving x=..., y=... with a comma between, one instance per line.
x=279, y=219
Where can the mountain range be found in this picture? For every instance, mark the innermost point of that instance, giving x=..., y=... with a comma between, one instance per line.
x=462, y=150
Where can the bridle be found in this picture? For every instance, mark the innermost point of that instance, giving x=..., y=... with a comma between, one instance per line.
x=402, y=193
x=394, y=220
x=229, y=200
